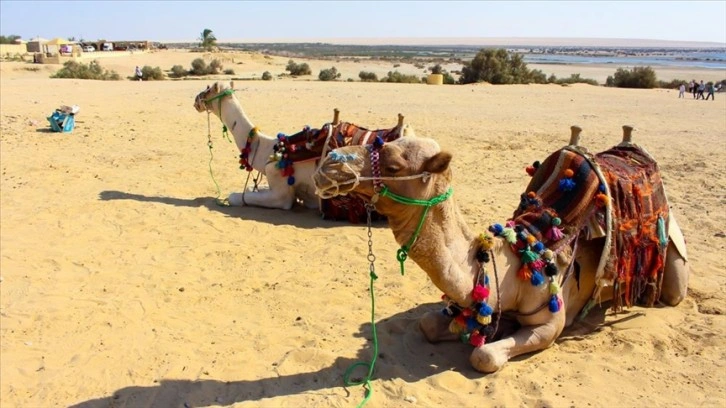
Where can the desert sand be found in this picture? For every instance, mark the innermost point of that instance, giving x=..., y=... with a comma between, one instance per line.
x=124, y=284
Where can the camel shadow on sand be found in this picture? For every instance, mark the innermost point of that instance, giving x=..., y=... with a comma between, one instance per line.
x=414, y=359
x=419, y=360
x=298, y=216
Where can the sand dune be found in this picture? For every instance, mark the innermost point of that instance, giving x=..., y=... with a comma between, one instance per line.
x=125, y=285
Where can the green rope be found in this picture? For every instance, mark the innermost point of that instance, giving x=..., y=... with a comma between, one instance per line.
x=402, y=253
x=367, y=380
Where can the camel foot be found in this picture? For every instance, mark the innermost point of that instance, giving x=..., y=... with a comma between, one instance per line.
x=435, y=327
x=487, y=360
x=235, y=199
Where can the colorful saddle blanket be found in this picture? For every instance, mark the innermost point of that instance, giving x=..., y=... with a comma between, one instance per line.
x=312, y=144
x=617, y=194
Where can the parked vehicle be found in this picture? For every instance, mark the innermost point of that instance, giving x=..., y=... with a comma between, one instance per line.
x=107, y=47
x=89, y=48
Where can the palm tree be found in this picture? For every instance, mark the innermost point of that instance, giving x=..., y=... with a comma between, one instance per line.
x=208, y=39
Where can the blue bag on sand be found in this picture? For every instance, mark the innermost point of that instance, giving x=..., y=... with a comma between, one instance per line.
x=63, y=119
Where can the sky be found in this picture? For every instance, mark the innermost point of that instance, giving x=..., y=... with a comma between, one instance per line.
x=231, y=21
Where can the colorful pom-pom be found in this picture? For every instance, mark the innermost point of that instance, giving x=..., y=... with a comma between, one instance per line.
x=509, y=224
x=455, y=327
x=538, y=247
x=482, y=256
x=280, y=136
x=480, y=293
x=290, y=180
x=485, y=310
x=554, y=304
x=556, y=221
x=483, y=319
x=536, y=279
x=548, y=254
x=476, y=339
x=554, y=288
x=602, y=188
x=530, y=170
x=496, y=229
x=509, y=235
x=569, y=173
x=531, y=239
x=602, y=200
x=531, y=194
x=550, y=269
x=537, y=265
x=486, y=242
x=378, y=143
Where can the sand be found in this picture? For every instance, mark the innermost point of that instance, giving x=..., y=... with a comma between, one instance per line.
x=125, y=285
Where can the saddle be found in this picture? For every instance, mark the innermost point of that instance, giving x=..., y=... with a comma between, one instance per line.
x=617, y=194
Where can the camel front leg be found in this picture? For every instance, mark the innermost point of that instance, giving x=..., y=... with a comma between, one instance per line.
x=492, y=356
x=279, y=195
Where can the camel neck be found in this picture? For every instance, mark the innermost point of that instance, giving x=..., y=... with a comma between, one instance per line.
x=240, y=126
x=443, y=249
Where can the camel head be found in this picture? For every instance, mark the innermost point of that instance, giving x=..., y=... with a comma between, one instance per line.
x=209, y=99
x=412, y=167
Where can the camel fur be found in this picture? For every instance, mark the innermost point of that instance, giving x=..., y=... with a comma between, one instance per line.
x=446, y=249
x=279, y=194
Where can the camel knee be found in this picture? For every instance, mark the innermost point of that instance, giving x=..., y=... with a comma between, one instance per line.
x=675, y=278
x=487, y=359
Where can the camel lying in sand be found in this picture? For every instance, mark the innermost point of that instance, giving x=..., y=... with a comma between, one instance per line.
x=514, y=270
x=288, y=179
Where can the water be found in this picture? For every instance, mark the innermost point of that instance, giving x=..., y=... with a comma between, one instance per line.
x=696, y=59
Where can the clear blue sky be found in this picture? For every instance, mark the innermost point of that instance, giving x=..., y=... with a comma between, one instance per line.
x=243, y=20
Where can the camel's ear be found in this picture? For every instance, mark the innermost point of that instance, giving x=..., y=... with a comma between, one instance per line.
x=231, y=84
x=216, y=87
x=438, y=163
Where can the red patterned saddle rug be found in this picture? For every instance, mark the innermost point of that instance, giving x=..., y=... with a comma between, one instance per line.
x=617, y=194
x=312, y=144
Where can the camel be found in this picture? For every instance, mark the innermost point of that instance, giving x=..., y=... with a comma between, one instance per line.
x=483, y=277
x=260, y=152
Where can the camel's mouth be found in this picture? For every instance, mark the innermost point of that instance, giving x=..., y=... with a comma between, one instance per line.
x=199, y=104
x=331, y=182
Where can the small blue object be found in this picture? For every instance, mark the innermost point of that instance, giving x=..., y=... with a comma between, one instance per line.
x=290, y=180
x=537, y=278
x=554, y=306
x=567, y=184
x=62, y=122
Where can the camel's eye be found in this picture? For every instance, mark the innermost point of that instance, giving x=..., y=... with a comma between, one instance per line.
x=393, y=168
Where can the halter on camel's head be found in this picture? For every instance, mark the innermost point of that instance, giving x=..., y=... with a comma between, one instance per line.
x=210, y=99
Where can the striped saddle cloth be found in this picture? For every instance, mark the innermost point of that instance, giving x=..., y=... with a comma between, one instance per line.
x=617, y=194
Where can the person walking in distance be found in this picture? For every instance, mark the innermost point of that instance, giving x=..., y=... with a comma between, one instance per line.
x=682, y=91
x=709, y=91
x=139, y=74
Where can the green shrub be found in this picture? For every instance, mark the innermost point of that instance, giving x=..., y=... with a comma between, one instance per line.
x=329, y=74
x=298, y=69
x=573, y=79
x=497, y=66
x=674, y=84
x=215, y=67
x=638, y=77
x=397, y=77
x=448, y=79
x=177, y=71
x=199, y=67
x=151, y=74
x=266, y=76
x=368, y=76
x=73, y=69
x=436, y=69
x=229, y=72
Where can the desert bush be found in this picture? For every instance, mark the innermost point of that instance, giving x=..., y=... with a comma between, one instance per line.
x=674, y=84
x=266, y=76
x=397, y=77
x=229, y=71
x=448, y=79
x=573, y=79
x=199, y=67
x=368, y=76
x=638, y=77
x=150, y=74
x=329, y=74
x=436, y=69
x=496, y=66
x=215, y=67
x=73, y=69
x=298, y=69
x=177, y=71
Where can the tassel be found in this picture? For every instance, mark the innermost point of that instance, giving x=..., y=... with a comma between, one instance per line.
x=538, y=247
x=455, y=328
x=601, y=200
x=555, y=234
x=537, y=265
x=509, y=235
x=471, y=324
x=537, y=279
x=548, y=254
x=524, y=273
x=476, y=339
x=486, y=242
x=528, y=256
x=554, y=288
x=554, y=304
x=509, y=224
x=480, y=293
x=556, y=221
x=378, y=143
